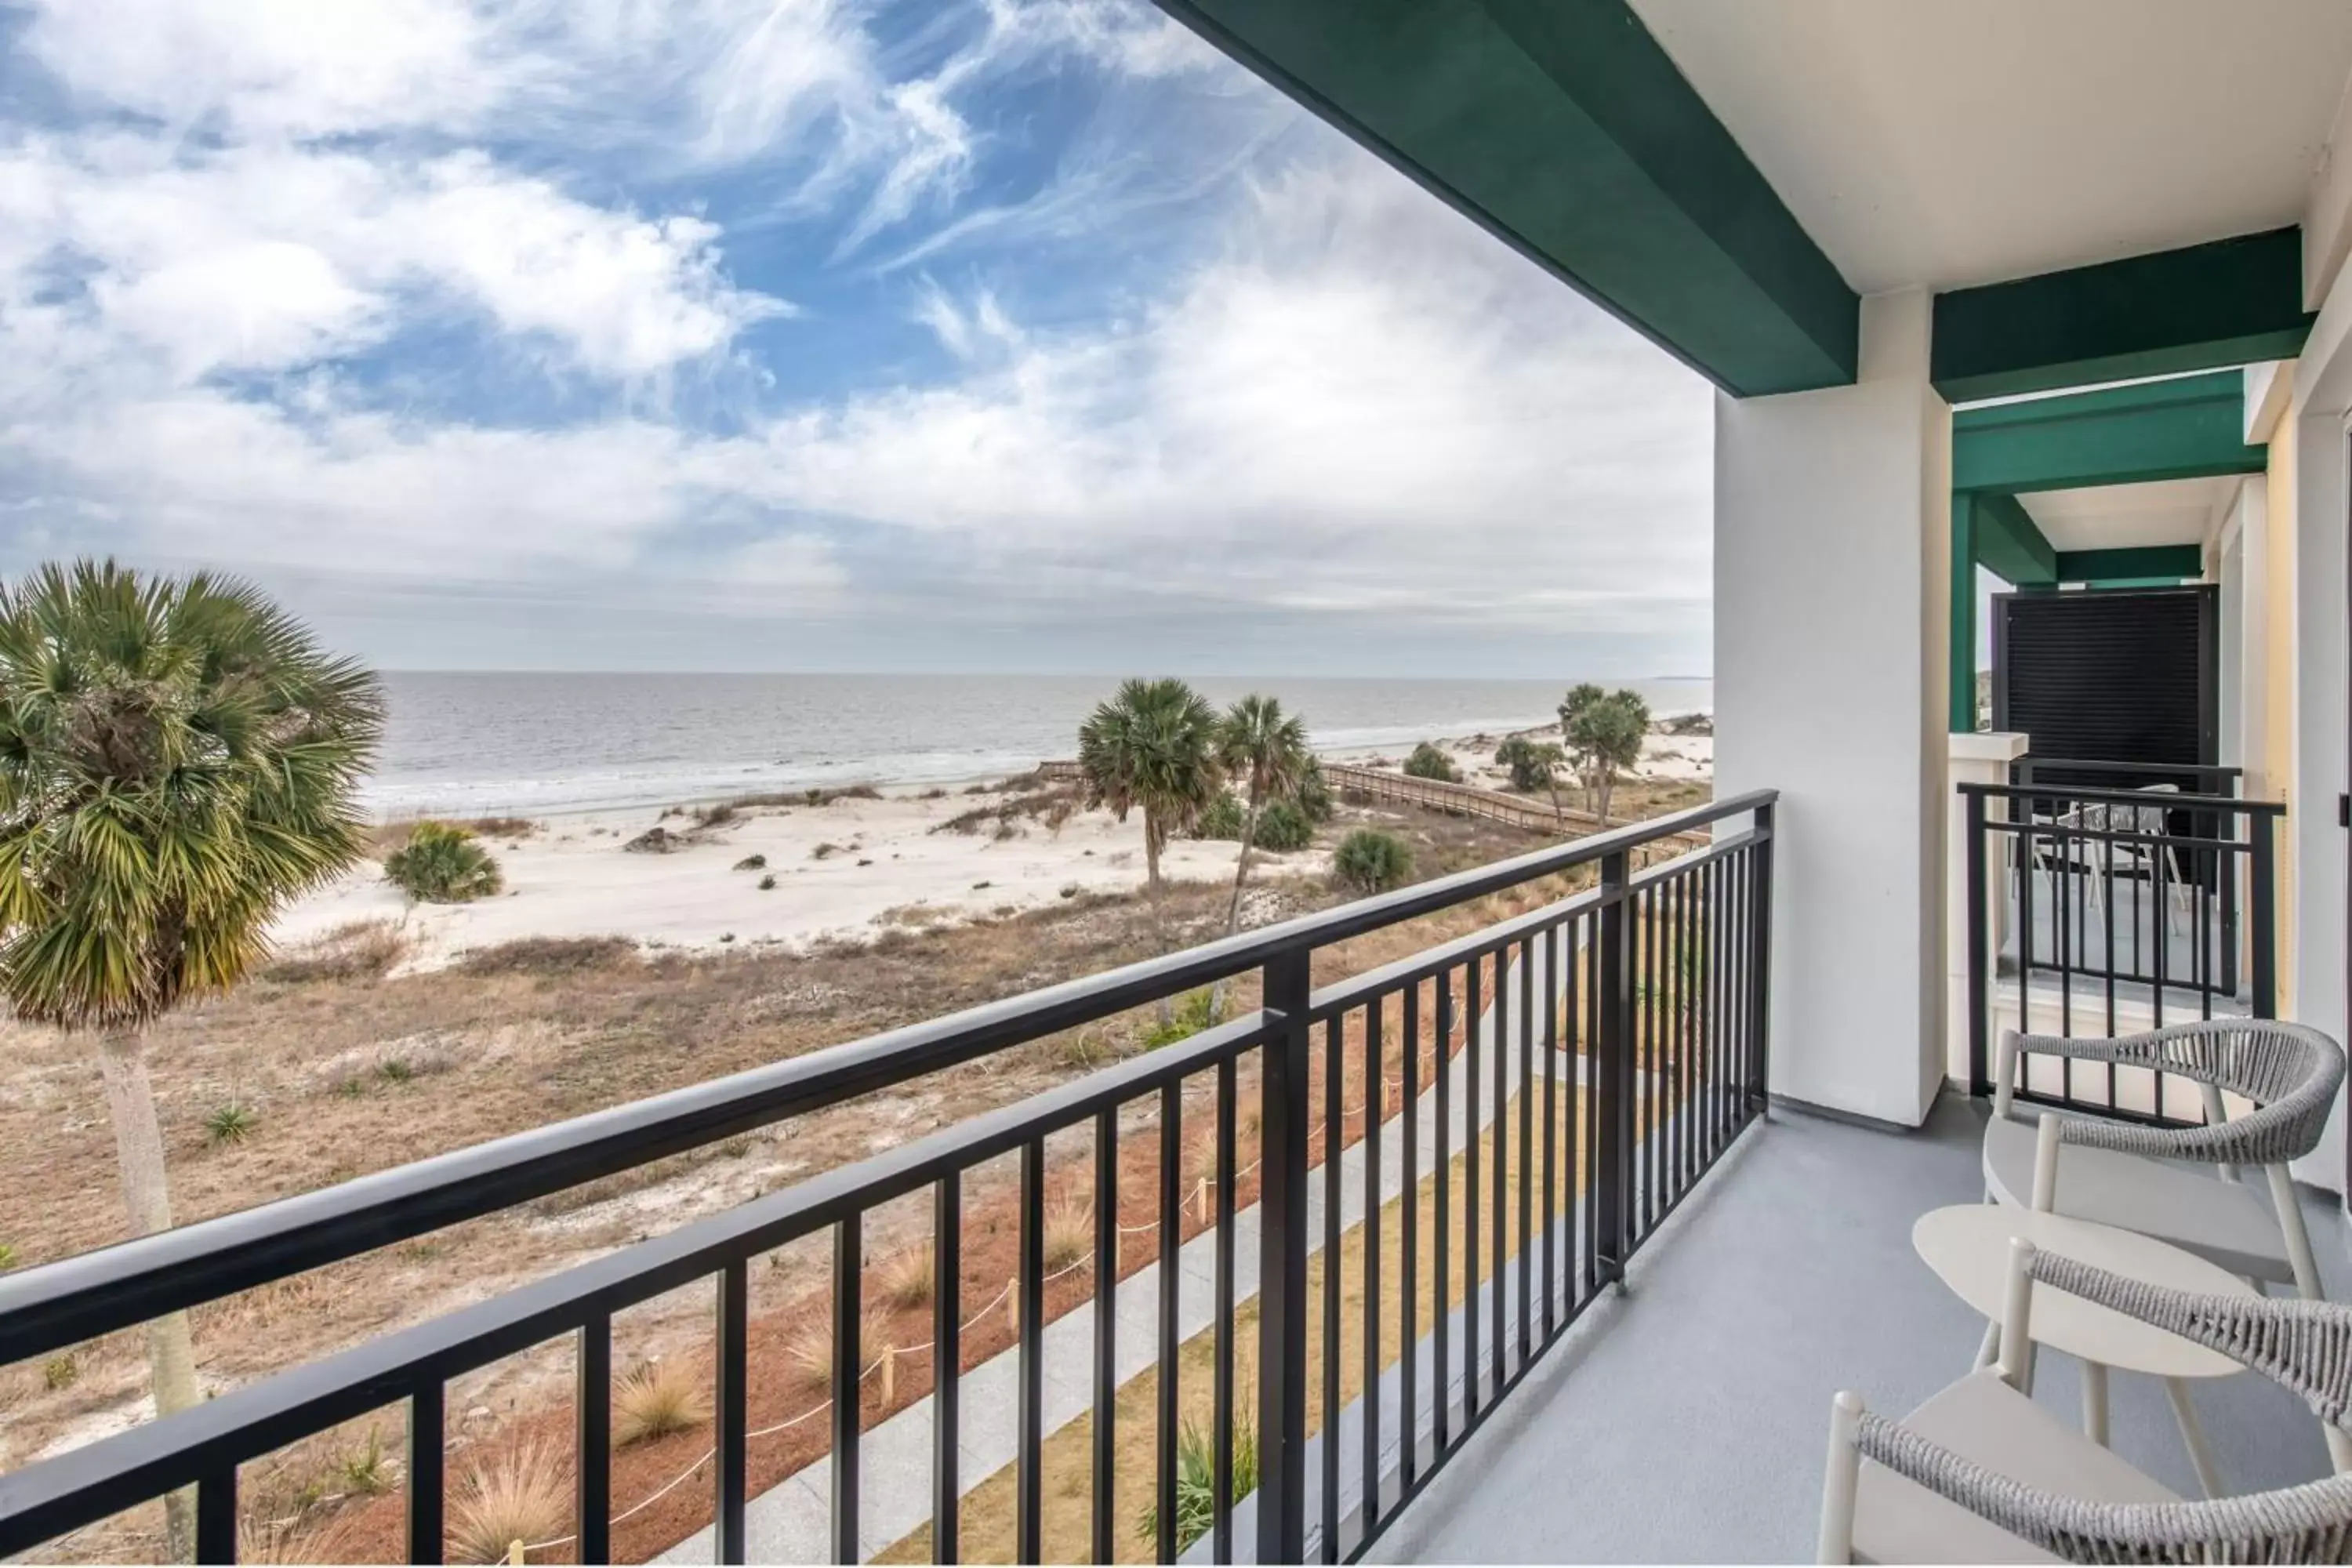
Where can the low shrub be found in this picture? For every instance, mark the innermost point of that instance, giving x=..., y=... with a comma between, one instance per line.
x=1429, y=762
x=61, y=1371
x=1282, y=826
x=1069, y=1235
x=1371, y=861
x=657, y=1399
x=1196, y=1012
x=1223, y=819
x=908, y=1279
x=230, y=1123
x=1313, y=796
x=752, y=863
x=523, y=1494
x=441, y=864
x=1196, y=1481
x=768, y=883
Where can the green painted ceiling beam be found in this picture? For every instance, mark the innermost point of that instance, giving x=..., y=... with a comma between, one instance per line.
x=2009, y=543
x=2183, y=428
x=2228, y=302
x=1562, y=127
x=2114, y=568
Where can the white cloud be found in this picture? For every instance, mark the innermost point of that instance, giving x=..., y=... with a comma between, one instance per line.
x=301, y=68
x=262, y=258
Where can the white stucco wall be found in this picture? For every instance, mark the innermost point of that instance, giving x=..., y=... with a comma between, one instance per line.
x=1832, y=538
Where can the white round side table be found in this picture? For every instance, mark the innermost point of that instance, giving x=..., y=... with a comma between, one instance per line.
x=1968, y=1246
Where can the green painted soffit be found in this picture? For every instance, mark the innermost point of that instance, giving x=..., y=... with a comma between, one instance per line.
x=2228, y=302
x=2118, y=568
x=1562, y=127
x=2183, y=428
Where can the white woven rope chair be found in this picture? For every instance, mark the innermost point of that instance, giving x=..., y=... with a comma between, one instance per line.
x=1982, y=1474
x=2144, y=1178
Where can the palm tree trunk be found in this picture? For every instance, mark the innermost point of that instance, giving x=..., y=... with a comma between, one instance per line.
x=1608, y=777
x=147, y=1200
x=1234, y=910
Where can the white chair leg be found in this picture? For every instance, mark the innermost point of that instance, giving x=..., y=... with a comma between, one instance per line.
x=2299, y=1240
x=2095, y=1401
x=2046, y=1164
x=2192, y=1437
x=1841, y=1481
x=2016, y=1319
x=1989, y=1350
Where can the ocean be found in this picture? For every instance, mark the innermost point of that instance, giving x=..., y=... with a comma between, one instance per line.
x=488, y=743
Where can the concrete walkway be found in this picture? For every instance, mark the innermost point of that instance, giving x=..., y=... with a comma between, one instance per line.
x=792, y=1523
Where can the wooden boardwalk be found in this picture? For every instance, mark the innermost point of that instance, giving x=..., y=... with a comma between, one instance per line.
x=1431, y=795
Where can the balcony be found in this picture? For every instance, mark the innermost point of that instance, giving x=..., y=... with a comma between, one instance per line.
x=1603, y=1294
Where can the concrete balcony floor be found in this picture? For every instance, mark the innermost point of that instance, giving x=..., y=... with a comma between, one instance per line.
x=1685, y=1420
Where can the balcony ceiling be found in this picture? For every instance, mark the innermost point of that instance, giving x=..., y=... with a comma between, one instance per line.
x=1959, y=144
x=2130, y=517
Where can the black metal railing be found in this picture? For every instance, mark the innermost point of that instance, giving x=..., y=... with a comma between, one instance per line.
x=1609, y=1045
x=2097, y=910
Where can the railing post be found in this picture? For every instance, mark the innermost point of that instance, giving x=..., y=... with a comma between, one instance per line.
x=1282, y=1265
x=1759, y=956
x=2261, y=828
x=1979, y=916
x=1613, y=1060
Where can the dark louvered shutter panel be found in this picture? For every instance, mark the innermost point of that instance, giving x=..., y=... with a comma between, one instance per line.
x=2113, y=676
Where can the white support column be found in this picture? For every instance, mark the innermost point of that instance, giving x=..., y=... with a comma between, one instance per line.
x=1833, y=535
x=1979, y=758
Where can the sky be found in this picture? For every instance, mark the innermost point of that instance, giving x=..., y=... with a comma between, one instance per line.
x=806, y=334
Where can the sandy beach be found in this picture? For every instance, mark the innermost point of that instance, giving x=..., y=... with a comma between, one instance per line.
x=845, y=869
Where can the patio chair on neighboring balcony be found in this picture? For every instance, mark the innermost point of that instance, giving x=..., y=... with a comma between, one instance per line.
x=1982, y=1474
x=2141, y=1178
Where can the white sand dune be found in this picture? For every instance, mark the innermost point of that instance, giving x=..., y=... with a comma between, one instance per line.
x=572, y=877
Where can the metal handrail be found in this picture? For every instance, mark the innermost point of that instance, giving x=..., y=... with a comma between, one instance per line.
x=57, y=1304
x=1679, y=1073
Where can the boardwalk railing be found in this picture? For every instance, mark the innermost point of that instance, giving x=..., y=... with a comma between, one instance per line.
x=1434, y=795
x=1638, y=1005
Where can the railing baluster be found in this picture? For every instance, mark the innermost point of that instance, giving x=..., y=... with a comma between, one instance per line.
x=1221, y=1481
x=1471, y=1030
x=1375, y=1091
x=1500, y=1139
x=1442, y=1260
x=1105, y=1444
x=1588, y=1101
x=734, y=1405
x=1527, y=1147
x=1171, y=1225
x=1408, y=1238
x=216, y=1517
x=1556, y=973
x=947, y=1368
x=1030, y=1292
x=848, y=1379
x=592, y=1409
x=1334, y=1125
x=427, y=1441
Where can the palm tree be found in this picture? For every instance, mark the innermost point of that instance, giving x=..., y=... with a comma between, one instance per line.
x=1153, y=746
x=1257, y=744
x=177, y=759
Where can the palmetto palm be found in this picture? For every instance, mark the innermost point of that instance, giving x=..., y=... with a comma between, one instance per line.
x=1266, y=748
x=177, y=759
x=1153, y=747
